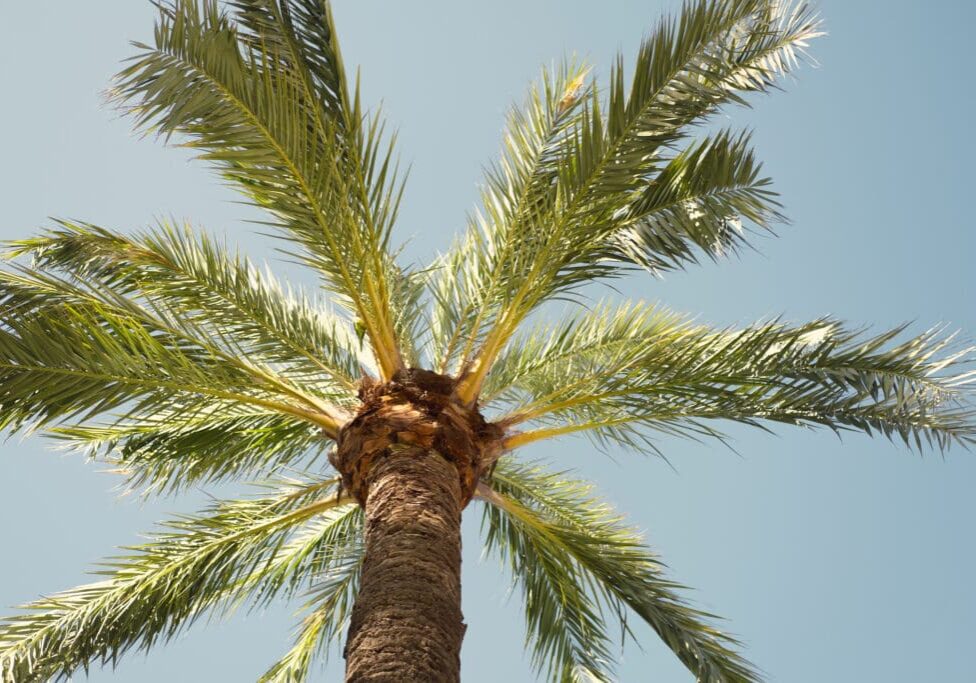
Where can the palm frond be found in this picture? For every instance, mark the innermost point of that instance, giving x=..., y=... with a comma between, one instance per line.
x=240, y=548
x=704, y=199
x=301, y=34
x=222, y=294
x=409, y=308
x=564, y=620
x=567, y=548
x=70, y=351
x=466, y=280
x=610, y=169
x=270, y=107
x=608, y=334
x=328, y=614
x=622, y=372
x=171, y=451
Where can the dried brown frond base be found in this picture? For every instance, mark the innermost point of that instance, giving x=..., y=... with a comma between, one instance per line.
x=417, y=409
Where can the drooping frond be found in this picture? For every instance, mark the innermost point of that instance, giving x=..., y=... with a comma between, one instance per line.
x=222, y=294
x=569, y=550
x=327, y=546
x=702, y=201
x=170, y=451
x=257, y=547
x=72, y=351
x=565, y=621
x=329, y=610
x=265, y=99
x=615, y=191
x=296, y=664
x=623, y=372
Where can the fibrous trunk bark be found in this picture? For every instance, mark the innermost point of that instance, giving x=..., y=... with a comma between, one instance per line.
x=406, y=626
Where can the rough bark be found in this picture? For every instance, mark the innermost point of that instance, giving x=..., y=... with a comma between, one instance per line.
x=407, y=626
x=415, y=408
x=412, y=456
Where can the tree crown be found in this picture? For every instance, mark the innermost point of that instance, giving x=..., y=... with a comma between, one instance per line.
x=182, y=362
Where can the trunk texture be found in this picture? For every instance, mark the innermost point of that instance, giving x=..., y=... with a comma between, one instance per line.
x=406, y=626
x=412, y=456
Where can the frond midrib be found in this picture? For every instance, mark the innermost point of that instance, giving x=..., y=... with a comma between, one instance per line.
x=351, y=288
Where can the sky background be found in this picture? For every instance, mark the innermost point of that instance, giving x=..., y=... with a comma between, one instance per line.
x=833, y=560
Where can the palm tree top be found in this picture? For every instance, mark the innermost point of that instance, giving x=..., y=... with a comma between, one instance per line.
x=183, y=363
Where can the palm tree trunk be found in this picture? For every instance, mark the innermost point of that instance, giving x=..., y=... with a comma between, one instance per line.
x=406, y=626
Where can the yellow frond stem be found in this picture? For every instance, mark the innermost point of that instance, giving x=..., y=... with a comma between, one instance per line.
x=470, y=385
x=383, y=340
x=525, y=438
x=537, y=409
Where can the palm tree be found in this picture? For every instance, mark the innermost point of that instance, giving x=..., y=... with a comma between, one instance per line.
x=184, y=364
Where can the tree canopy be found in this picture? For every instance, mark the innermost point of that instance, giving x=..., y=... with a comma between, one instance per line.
x=181, y=362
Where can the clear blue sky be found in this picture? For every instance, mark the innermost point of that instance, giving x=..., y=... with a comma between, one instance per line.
x=833, y=560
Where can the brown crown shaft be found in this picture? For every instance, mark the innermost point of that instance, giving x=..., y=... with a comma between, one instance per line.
x=415, y=410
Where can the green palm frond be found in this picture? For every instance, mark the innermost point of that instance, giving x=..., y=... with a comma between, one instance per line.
x=272, y=111
x=565, y=622
x=241, y=548
x=567, y=551
x=517, y=193
x=409, y=310
x=704, y=198
x=606, y=333
x=328, y=546
x=619, y=370
x=329, y=611
x=222, y=294
x=180, y=362
x=296, y=664
x=301, y=34
x=70, y=351
x=597, y=212
x=169, y=451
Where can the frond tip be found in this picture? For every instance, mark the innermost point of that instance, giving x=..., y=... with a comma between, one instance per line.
x=604, y=190
x=182, y=363
x=622, y=373
x=263, y=95
x=241, y=548
x=328, y=613
x=576, y=564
